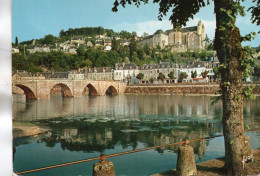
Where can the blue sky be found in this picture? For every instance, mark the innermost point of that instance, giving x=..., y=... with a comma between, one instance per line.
x=32, y=19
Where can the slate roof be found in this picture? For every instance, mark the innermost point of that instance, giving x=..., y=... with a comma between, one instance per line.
x=55, y=75
x=187, y=29
x=159, y=32
x=24, y=74
x=130, y=66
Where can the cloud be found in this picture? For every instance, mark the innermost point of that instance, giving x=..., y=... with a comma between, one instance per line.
x=148, y=26
x=152, y=26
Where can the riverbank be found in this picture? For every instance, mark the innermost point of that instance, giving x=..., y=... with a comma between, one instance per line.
x=215, y=167
x=26, y=129
x=180, y=88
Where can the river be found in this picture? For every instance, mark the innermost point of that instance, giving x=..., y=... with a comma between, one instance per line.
x=87, y=126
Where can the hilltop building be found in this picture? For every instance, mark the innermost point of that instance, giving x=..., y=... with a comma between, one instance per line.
x=189, y=38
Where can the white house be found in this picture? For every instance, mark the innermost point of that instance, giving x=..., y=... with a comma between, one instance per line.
x=126, y=73
x=189, y=68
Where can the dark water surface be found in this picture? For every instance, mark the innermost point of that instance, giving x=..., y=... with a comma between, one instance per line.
x=85, y=127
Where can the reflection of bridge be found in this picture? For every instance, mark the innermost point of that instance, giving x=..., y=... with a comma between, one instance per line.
x=41, y=89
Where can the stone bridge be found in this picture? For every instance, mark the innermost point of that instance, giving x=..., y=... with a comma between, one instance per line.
x=41, y=89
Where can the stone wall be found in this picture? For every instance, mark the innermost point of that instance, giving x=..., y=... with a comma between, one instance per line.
x=178, y=89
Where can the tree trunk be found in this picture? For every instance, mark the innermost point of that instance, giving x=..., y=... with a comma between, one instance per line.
x=229, y=51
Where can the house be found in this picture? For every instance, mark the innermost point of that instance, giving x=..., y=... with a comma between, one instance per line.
x=77, y=40
x=107, y=48
x=23, y=75
x=152, y=71
x=126, y=73
x=15, y=50
x=55, y=75
x=76, y=76
x=193, y=67
x=44, y=48
x=89, y=44
x=99, y=74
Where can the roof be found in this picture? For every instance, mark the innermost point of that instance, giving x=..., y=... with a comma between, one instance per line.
x=159, y=32
x=189, y=29
x=24, y=74
x=130, y=66
x=55, y=74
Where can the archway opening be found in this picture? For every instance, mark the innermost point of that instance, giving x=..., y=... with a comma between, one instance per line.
x=111, y=90
x=27, y=91
x=61, y=89
x=90, y=90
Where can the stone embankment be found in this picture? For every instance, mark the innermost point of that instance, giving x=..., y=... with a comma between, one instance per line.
x=209, y=88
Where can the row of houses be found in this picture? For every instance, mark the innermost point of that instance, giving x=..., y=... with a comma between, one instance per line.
x=127, y=72
x=70, y=46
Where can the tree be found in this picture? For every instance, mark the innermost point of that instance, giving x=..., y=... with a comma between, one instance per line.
x=147, y=49
x=48, y=39
x=204, y=74
x=171, y=75
x=115, y=44
x=16, y=41
x=80, y=51
x=233, y=60
x=161, y=77
x=216, y=73
x=140, y=76
x=151, y=80
x=132, y=46
x=183, y=75
x=194, y=74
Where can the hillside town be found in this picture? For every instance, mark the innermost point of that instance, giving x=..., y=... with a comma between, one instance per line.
x=186, y=40
x=189, y=38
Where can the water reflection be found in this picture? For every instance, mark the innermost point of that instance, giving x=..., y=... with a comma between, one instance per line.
x=130, y=106
x=111, y=124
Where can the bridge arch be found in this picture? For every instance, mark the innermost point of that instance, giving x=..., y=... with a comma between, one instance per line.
x=62, y=89
x=27, y=91
x=111, y=90
x=90, y=90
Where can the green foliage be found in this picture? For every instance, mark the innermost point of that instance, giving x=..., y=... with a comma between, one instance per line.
x=48, y=39
x=132, y=46
x=161, y=76
x=248, y=92
x=248, y=61
x=16, y=41
x=115, y=44
x=151, y=80
x=204, y=74
x=80, y=51
x=183, y=75
x=257, y=70
x=171, y=75
x=194, y=74
x=255, y=10
x=140, y=76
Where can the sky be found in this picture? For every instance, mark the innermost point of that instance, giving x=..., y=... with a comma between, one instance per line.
x=33, y=19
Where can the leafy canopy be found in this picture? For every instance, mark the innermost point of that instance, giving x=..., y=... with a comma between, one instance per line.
x=183, y=10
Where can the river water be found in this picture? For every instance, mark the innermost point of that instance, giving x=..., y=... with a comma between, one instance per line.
x=88, y=126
